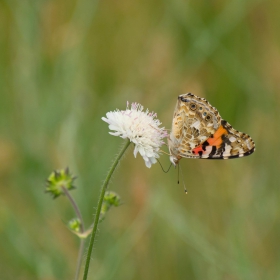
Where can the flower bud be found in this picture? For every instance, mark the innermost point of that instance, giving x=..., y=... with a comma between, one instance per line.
x=75, y=225
x=110, y=199
x=59, y=179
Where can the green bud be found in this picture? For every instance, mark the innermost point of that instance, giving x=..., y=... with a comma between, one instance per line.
x=75, y=225
x=110, y=199
x=57, y=180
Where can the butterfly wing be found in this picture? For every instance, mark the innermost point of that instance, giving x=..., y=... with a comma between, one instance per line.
x=226, y=143
x=198, y=131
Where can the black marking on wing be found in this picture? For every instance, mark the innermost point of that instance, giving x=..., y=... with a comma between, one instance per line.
x=213, y=152
x=223, y=123
x=183, y=99
x=235, y=156
x=231, y=157
x=249, y=152
x=226, y=139
x=205, y=143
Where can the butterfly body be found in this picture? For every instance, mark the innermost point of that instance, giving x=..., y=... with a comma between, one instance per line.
x=198, y=131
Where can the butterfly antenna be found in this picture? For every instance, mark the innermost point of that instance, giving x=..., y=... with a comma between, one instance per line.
x=165, y=171
x=184, y=185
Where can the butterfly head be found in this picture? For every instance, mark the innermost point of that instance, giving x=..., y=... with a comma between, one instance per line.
x=174, y=160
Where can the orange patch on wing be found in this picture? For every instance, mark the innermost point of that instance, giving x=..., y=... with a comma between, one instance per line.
x=197, y=149
x=216, y=140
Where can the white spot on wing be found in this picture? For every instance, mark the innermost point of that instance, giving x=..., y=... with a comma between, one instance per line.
x=232, y=139
x=227, y=151
x=196, y=124
x=207, y=152
x=203, y=138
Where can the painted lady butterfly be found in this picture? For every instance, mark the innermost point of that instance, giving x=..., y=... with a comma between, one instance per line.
x=198, y=131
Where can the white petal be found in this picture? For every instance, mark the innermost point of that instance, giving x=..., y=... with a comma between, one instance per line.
x=135, y=151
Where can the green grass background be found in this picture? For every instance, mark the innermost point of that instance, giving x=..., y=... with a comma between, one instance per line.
x=64, y=64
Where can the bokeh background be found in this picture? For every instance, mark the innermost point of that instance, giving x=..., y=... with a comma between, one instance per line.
x=64, y=64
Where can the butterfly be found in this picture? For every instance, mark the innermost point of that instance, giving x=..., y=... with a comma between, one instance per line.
x=198, y=131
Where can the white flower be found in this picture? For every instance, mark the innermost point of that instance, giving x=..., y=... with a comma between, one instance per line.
x=141, y=128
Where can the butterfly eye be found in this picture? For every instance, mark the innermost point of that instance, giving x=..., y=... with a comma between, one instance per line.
x=208, y=118
x=193, y=106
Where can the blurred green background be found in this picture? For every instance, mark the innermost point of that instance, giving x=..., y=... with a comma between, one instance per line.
x=64, y=64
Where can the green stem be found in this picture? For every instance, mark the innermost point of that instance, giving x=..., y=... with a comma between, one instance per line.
x=101, y=197
x=82, y=229
x=80, y=258
x=75, y=206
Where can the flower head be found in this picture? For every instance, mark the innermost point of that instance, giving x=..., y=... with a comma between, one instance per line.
x=141, y=128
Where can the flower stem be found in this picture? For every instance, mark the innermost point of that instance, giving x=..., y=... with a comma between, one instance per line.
x=80, y=258
x=75, y=206
x=82, y=229
x=97, y=214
